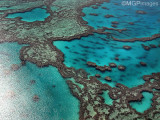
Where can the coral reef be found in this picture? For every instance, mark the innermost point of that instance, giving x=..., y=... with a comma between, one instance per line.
x=66, y=23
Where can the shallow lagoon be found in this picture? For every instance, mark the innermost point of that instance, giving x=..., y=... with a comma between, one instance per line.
x=37, y=14
x=101, y=50
x=143, y=105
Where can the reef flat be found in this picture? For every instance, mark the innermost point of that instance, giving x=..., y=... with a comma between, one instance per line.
x=64, y=23
x=68, y=20
x=68, y=12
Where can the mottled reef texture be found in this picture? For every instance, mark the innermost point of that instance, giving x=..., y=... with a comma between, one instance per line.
x=65, y=23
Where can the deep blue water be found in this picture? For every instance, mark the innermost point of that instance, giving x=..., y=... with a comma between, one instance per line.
x=37, y=14
x=55, y=103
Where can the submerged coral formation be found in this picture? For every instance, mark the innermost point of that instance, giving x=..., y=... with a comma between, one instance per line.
x=64, y=24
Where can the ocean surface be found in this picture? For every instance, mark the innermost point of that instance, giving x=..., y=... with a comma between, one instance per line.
x=17, y=90
x=55, y=100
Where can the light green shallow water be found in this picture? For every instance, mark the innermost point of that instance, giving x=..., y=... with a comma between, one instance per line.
x=37, y=14
x=144, y=104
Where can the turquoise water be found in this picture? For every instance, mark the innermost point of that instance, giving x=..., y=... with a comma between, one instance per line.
x=145, y=25
x=16, y=92
x=102, y=50
x=56, y=101
x=106, y=97
x=143, y=105
x=4, y=8
x=37, y=14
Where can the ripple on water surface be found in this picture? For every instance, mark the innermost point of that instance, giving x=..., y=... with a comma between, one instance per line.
x=18, y=88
